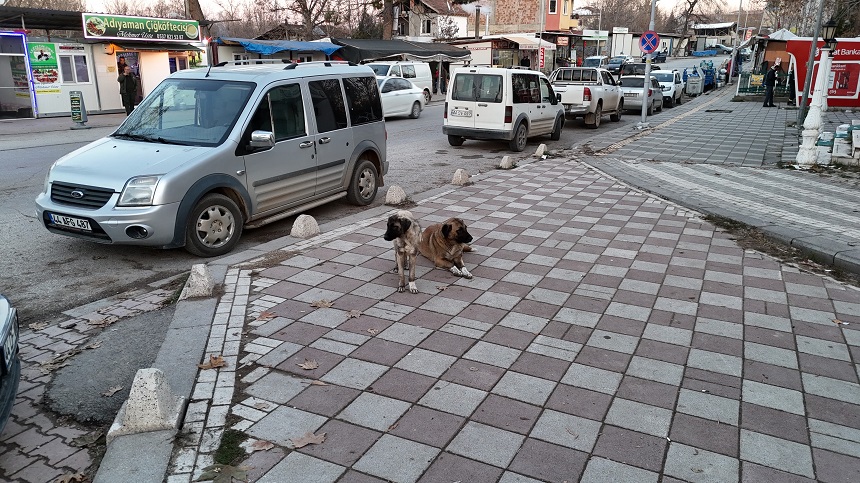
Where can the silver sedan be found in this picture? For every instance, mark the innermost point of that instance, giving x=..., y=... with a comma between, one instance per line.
x=631, y=86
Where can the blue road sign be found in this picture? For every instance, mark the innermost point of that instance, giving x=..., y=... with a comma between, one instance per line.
x=649, y=41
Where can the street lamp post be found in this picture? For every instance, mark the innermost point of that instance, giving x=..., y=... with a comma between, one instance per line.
x=807, y=155
x=646, y=83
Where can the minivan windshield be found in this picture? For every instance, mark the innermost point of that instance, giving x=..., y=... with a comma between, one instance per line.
x=379, y=69
x=192, y=112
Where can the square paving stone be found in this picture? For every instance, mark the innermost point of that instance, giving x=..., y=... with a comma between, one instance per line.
x=285, y=423
x=831, y=388
x=426, y=362
x=774, y=423
x=776, y=453
x=313, y=470
x=405, y=334
x=276, y=387
x=655, y=370
x=648, y=419
x=397, y=459
x=540, y=366
x=715, y=362
x=404, y=385
x=355, y=373
x=669, y=335
x=344, y=443
x=753, y=473
x=604, y=470
x=824, y=366
x=836, y=467
x=592, y=378
x=709, y=406
x=300, y=333
x=492, y=354
x=548, y=462
x=631, y=447
x=507, y=414
x=381, y=351
x=648, y=392
x=428, y=426
x=453, y=398
x=566, y=430
x=718, y=344
x=579, y=401
x=325, y=360
x=705, y=433
x=603, y=358
x=773, y=397
x=525, y=388
x=823, y=348
x=326, y=400
x=374, y=411
x=770, y=355
x=451, y=344
x=773, y=375
x=486, y=443
x=473, y=374
x=662, y=351
x=613, y=341
x=508, y=337
x=699, y=465
x=451, y=467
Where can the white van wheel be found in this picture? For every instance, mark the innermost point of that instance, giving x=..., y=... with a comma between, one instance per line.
x=213, y=227
x=426, y=96
x=455, y=140
x=521, y=134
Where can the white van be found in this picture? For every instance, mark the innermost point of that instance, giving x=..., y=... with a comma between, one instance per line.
x=416, y=72
x=511, y=104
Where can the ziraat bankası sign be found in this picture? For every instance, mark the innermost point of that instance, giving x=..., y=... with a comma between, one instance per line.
x=123, y=27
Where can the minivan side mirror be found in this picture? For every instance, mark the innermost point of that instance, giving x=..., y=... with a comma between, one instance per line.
x=557, y=98
x=262, y=140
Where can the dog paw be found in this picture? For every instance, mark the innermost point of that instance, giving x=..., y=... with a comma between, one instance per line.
x=456, y=271
x=395, y=269
x=465, y=272
x=401, y=288
x=413, y=288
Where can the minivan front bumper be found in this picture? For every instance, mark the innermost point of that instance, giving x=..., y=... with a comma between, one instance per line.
x=110, y=224
x=472, y=133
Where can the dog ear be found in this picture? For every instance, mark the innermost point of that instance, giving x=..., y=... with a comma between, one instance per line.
x=405, y=224
x=446, y=230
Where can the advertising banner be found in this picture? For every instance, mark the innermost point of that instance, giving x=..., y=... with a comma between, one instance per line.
x=842, y=80
x=43, y=62
x=122, y=27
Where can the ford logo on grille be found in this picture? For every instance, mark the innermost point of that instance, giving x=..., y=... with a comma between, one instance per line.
x=77, y=194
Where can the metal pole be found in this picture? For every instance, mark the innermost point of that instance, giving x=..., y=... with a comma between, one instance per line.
x=599, y=24
x=646, y=82
x=801, y=111
x=735, y=46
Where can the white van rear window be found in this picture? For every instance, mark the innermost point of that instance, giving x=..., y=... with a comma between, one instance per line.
x=477, y=87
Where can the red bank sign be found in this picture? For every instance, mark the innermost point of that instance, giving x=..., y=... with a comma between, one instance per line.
x=843, y=80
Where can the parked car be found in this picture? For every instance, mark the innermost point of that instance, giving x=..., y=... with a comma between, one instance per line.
x=659, y=57
x=721, y=49
x=400, y=97
x=10, y=366
x=589, y=93
x=501, y=103
x=671, y=84
x=615, y=63
x=633, y=68
x=416, y=72
x=632, y=87
x=598, y=61
x=213, y=151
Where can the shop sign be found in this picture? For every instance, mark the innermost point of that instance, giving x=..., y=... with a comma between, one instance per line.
x=542, y=58
x=43, y=67
x=20, y=80
x=97, y=26
x=561, y=41
x=78, y=109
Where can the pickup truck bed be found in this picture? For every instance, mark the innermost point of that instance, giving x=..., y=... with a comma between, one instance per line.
x=589, y=93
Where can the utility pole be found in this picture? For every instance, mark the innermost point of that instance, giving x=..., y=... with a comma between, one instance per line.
x=646, y=82
x=735, y=45
x=801, y=111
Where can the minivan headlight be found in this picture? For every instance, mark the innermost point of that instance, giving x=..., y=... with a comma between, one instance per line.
x=138, y=191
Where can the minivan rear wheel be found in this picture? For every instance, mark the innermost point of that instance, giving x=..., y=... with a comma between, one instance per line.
x=362, y=189
x=455, y=140
x=518, y=143
x=213, y=227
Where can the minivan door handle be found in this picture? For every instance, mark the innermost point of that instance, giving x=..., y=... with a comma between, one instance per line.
x=481, y=104
x=325, y=140
x=306, y=144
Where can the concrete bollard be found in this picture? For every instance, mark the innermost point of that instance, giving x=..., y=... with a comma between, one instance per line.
x=199, y=283
x=395, y=196
x=507, y=163
x=461, y=177
x=150, y=406
x=305, y=226
x=541, y=150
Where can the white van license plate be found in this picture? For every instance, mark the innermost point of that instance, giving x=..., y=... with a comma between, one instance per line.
x=70, y=222
x=461, y=113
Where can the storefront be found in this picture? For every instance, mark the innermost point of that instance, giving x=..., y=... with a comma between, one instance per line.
x=17, y=98
x=510, y=50
x=843, y=81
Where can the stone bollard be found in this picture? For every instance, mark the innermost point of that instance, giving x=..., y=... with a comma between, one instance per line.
x=305, y=226
x=150, y=406
x=395, y=195
x=541, y=150
x=461, y=177
x=507, y=163
x=199, y=283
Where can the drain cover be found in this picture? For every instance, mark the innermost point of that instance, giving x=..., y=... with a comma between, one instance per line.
x=718, y=110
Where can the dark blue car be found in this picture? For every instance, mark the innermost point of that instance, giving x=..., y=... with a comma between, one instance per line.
x=10, y=366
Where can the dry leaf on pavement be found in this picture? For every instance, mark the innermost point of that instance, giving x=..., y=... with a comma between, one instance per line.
x=219, y=473
x=266, y=315
x=392, y=427
x=87, y=439
x=111, y=391
x=37, y=326
x=353, y=314
x=308, y=364
x=261, y=446
x=441, y=287
x=70, y=477
x=321, y=304
x=318, y=383
x=373, y=331
x=308, y=438
x=839, y=322
x=262, y=406
x=94, y=345
x=214, y=361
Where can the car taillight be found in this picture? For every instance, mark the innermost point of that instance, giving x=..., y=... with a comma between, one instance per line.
x=509, y=114
x=446, y=110
x=650, y=92
x=586, y=94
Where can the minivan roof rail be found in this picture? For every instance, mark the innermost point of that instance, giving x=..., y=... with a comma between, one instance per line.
x=317, y=63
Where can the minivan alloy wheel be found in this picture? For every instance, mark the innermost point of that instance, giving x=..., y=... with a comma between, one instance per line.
x=362, y=189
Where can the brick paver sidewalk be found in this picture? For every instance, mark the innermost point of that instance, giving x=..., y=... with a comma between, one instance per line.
x=607, y=336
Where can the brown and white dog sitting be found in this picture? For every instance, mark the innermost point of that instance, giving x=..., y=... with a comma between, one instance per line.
x=444, y=244
x=403, y=229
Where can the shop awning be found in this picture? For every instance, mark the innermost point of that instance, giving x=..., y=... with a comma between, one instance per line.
x=269, y=47
x=363, y=50
x=157, y=46
x=529, y=43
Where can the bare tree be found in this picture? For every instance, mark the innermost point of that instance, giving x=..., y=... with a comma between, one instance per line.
x=67, y=5
x=693, y=11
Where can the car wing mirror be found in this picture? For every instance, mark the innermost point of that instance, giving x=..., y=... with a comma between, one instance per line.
x=262, y=140
x=557, y=97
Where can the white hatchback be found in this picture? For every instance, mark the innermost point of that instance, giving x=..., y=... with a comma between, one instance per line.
x=501, y=103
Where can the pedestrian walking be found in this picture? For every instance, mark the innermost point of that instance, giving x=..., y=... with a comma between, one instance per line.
x=127, y=89
x=769, y=83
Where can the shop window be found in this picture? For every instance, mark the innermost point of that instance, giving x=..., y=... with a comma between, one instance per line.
x=553, y=7
x=74, y=70
x=241, y=59
x=564, y=7
x=426, y=27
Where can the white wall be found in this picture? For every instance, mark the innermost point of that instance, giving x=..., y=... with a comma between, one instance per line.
x=154, y=68
x=482, y=53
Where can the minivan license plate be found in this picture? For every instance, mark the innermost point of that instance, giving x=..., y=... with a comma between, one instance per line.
x=461, y=113
x=70, y=222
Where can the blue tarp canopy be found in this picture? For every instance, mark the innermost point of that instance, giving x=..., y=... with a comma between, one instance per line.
x=269, y=47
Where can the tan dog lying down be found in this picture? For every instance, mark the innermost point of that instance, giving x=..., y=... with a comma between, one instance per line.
x=444, y=244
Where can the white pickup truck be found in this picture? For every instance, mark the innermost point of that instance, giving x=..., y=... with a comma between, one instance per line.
x=589, y=93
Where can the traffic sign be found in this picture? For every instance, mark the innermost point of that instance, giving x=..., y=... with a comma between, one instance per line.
x=649, y=41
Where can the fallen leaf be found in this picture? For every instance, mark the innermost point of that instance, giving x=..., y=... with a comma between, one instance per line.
x=373, y=331
x=261, y=406
x=318, y=383
x=94, y=345
x=308, y=364
x=266, y=315
x=392, y=427
x=37, y=326
x=308, y=438
x=103, y=322
x=262, y=446
x=87, y=439
x=441, y=287
x=320, y=304
x=214, y=361
x=111, y=391
x=353, y=314
x=70, y=477
x=219, y=473
x=697, y=470
x=839, y=322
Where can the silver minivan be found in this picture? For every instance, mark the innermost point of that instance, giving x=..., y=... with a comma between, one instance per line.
x=212, y=151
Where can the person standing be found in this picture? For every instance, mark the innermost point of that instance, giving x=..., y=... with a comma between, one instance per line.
x=769, y=83
x=127, y=89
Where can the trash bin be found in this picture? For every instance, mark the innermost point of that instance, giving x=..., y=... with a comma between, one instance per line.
x=695, y=85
